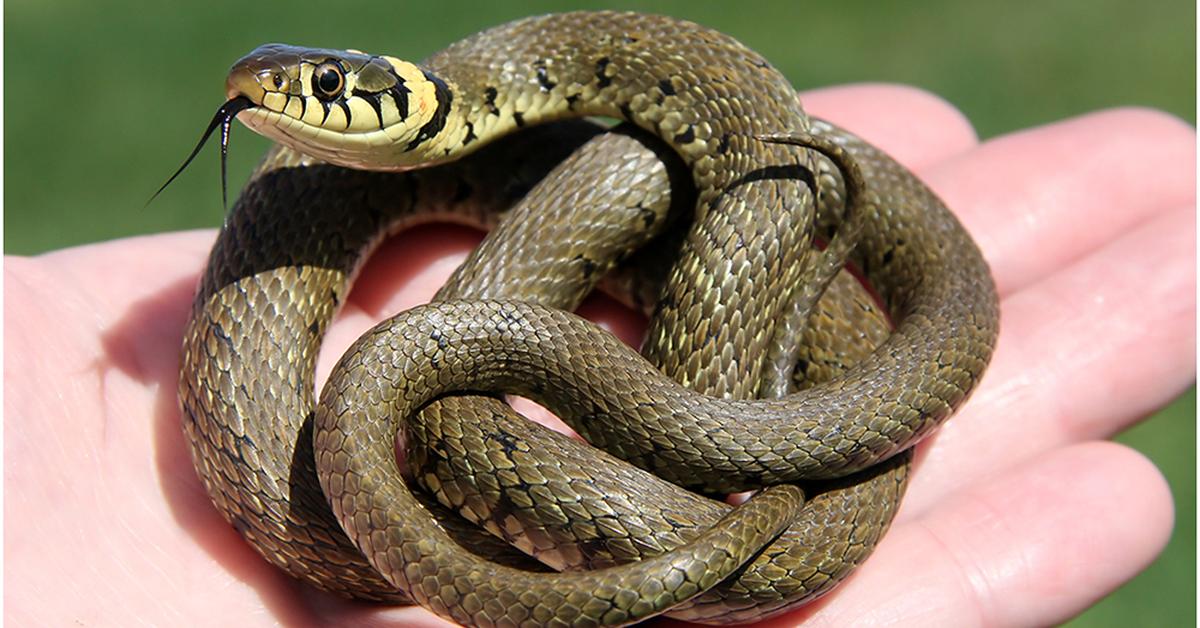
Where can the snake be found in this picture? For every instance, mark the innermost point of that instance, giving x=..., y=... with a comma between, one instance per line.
x=715, y=143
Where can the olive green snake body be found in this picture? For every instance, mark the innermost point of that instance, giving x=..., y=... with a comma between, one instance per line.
x=275, y=461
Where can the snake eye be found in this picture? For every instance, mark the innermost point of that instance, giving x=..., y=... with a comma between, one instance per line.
x=328, y=80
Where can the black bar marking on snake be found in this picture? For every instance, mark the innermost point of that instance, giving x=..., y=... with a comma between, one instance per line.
x=373, y=99
x=602, y=78
x=325, y=106
x=489, y=95
x=781, y=172
x=543, y=78
x=441, y=93
x=506, y=440
x=687, y=136
x=667, y=88
x=436, y=336
x=589, y=265
x=346, y=109
x=648, y=216
x=400, y=93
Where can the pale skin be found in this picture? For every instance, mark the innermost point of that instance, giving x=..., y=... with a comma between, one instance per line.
x=1020, y=511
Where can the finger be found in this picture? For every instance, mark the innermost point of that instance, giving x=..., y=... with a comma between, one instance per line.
x=74, y=305
x=1031, y=548
x=1038, y=199
x=914, y=126
x=1082, y=355
x=112, y=275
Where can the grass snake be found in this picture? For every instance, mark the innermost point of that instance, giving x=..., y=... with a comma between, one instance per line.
x=702, y=170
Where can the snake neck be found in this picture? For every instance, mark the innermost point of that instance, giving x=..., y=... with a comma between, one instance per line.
x=390, y=114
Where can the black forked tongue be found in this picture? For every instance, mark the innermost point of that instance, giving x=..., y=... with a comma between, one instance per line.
x=223, y=119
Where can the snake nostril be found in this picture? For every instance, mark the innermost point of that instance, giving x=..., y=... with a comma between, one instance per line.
x=272, y=80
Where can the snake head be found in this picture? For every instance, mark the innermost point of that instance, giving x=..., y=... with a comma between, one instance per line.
x=345, y=107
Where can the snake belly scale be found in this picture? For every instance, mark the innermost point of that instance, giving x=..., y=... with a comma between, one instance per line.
x=275, y=461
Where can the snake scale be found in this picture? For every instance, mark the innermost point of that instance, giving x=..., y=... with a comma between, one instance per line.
x=706, y=170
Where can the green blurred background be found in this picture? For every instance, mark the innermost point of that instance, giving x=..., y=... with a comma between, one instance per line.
x=103, y=100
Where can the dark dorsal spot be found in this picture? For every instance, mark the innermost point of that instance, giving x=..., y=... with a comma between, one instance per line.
x=723, y=146
x=470, y=136
x=572, y=99
x=543, y=78
x=626, y=111
x=333, y=296
x=223, y=337
x=505, y=440
x=437, y=336
x=519, y=118
x=602, y=78
x=802, y=366
x=648, y=216
x=512, y=318
x=489, y=96
x=667, y=88
x=314, y=328
x=589, y=265
x=887, y=257
x=687, y=136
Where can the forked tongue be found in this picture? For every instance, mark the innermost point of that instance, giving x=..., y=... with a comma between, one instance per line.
x=223, y=119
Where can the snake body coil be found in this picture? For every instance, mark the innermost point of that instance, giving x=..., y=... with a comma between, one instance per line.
x=275, y=280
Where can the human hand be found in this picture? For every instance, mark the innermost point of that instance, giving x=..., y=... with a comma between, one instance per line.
x=1018, y=511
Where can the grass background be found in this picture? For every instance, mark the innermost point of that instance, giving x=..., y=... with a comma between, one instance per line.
x=103, y=99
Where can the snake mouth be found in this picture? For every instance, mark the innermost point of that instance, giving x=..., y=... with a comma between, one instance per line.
x=370, y=148
x=223, y=119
